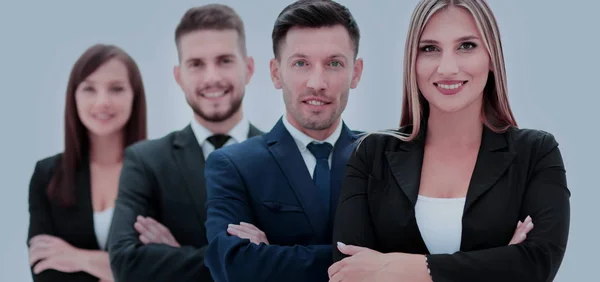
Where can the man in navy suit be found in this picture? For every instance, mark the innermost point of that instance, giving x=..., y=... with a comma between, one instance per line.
x=271, y=200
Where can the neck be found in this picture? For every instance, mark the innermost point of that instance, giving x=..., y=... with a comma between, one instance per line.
x=319, y=135
x=221, y=127
x=106, y=150
x=458, y=129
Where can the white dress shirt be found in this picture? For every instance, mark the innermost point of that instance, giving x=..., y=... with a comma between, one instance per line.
x=440, y=223
x=302, y=140
x=238, y=134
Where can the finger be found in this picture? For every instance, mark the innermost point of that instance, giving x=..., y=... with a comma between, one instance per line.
x=519, y=224
x=165, y=233
x=241, y=233
x=154, y=228
x=36, y=255
x=249, y=228
x=147, y=233
x=335, y=268
x=350, y=249
x=41, y=239
x=43, y=265
x=145, y=240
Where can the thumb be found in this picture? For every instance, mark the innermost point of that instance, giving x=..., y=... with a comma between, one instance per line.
x=350, y=249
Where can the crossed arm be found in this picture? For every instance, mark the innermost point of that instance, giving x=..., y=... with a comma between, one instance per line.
x=233, y=258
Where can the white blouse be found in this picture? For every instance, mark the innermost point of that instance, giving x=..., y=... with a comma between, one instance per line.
x=102, y=225
x=440, y=223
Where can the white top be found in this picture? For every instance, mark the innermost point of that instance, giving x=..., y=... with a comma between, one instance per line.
x=440, y=223
x=302, y=140
x=238, y=133
x=102, y=225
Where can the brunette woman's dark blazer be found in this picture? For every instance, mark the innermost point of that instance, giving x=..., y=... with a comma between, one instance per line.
x=75, y=225
x=518, y=173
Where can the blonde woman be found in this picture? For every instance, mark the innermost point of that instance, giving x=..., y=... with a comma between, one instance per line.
x=451, y=194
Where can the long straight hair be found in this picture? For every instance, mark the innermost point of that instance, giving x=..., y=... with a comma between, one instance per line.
x=496, y=113
x=76, y=144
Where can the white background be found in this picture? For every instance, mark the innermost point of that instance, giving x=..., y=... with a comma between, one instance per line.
x=551, y=51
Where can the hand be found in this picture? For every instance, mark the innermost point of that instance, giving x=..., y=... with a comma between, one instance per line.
x=521, y=232
x=248, y=231
x=51, y=252
x=151, y=231
x=363, y=264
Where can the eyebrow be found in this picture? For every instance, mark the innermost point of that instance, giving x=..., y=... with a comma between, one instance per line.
x=301, y=55
x=221, y=56
x=464, y=38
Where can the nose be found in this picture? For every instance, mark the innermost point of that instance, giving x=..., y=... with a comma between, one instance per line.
x=212, y=75
x=316, y=79
x=448, y=64
x=104, y=99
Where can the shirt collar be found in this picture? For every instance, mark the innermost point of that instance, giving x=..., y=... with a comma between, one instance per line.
x=302, y=140
x=239, y=132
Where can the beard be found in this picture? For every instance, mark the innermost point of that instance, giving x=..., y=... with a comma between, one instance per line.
x=316, y=120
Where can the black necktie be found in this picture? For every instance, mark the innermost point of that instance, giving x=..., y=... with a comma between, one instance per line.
x=218, y=140
x=321, y=174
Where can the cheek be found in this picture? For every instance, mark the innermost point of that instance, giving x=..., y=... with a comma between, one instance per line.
x=478, y=66
x=425, y=68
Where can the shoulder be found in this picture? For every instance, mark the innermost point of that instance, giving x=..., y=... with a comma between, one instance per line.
x=251, y=149
x=533, y=141
x=383, y=140
x=153, y=145
x=44, y=170
x=48, y=165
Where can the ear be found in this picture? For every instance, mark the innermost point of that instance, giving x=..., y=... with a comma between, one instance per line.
x=357, y=73
x=177, y=75
x=250, y=69
x=274, y=67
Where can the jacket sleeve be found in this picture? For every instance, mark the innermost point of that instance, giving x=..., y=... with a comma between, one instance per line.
x=539, y=257
x=353, y=224
x=130, y=259
x=232, y=259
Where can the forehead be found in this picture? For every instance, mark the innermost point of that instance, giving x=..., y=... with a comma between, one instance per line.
x=209, y=43
x=451, y=22
x=111, y=70
x=317, y=42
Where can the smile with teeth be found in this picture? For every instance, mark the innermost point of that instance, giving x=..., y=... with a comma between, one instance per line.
x=315, y=102
x=450, y=86
x=214, y=94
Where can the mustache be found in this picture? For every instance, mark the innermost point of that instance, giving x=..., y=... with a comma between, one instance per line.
x=212, y=87
x=313, y=93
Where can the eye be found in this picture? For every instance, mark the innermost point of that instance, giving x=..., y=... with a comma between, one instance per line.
x=226, y=61
x=88, y=89
x=335, y=64
x=117, y=89
x=429, y=48
x=300, y=64
x=467, y=46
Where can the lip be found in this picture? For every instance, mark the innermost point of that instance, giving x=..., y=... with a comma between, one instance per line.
x=450, y=87
x=320, y=102
x=209, y=94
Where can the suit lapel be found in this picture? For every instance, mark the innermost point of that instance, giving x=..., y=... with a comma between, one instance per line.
x=190, y=159
x=492, y=161
x=405, y=165
x=285, y=151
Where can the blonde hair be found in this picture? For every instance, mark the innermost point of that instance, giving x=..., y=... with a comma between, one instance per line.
x=495, y=113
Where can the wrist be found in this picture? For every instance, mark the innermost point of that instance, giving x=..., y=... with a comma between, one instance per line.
x=408, y=266
x=84, y=259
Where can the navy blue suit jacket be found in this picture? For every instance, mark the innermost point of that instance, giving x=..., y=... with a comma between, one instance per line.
x=264, y=181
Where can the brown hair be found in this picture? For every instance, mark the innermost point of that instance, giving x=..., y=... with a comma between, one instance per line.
x=314, y=14
x=61, y=186
x=207, y=17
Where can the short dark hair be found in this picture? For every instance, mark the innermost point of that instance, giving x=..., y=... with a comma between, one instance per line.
x=314, y=14
x=211, y=16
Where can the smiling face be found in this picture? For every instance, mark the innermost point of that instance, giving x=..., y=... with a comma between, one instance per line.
x=213, y=73
x=316, y=70
x=104, y=99
x=452, y=63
